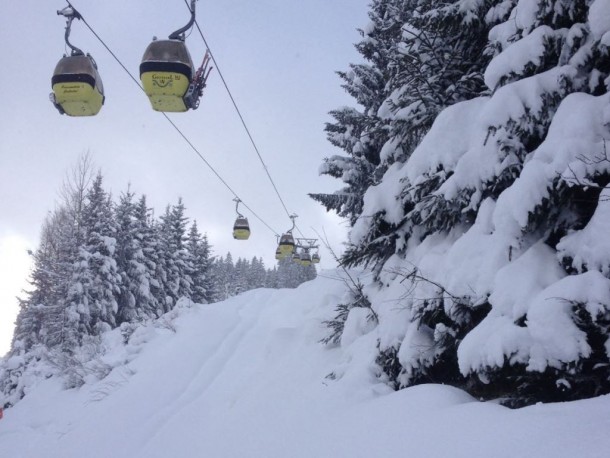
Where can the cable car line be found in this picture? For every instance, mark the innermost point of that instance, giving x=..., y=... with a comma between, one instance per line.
x=222, y=180
x=287, y=243
x=224, y=82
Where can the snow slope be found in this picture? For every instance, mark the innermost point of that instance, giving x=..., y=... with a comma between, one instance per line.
x=247, y=378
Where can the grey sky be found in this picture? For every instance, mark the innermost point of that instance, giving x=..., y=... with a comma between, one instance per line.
x=279, y=59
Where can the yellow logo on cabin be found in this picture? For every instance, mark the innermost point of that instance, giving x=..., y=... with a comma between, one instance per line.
x=163, y=81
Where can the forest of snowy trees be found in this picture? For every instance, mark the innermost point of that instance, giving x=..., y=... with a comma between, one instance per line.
x=102, y=263
x=475, y=178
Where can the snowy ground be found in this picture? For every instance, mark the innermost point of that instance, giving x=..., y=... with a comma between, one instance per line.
x=246, y=378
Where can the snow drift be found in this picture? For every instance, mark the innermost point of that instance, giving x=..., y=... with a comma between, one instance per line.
x=248, y=378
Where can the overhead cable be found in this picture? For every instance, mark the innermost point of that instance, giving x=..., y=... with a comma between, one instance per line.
x=186, y=139
x=224, y=82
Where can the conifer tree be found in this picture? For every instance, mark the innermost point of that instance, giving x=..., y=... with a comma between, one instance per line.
x=242, y=274
x=486, y=184
x=224, y=277
x=271, y=278
x=183, y=259
x=291, y=274
x=162, y=259
x=36, y=311
x=439, y=60
x=361, y=132
x=308, y=273
x=126, y=251
x=229, y=275
x=43, y=316
x=136, y=300
x=256, y=274
x=199, y=251
x=95, y=281
x=174, y=257
x=144, y=226
x=445, y=195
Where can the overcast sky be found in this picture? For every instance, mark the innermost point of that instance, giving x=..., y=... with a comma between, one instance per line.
x=279, y=59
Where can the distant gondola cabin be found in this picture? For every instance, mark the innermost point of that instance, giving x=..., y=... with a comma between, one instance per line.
x=305, y=259
x=286, y=245
x=241, y=229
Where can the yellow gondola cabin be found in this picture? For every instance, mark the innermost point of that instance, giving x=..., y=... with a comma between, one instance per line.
x=286, y=245
x=241, y=229
x=166, y=72
x=76, y=83
x=77, y=86
x=305, y=259
x=169, y=78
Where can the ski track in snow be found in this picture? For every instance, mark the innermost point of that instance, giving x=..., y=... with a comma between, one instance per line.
x=209, y=369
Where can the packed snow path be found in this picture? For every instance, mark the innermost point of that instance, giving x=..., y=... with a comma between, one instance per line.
x=247, y=378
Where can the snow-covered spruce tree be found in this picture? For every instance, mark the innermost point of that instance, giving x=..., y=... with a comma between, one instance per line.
x=291, y=274
x=199, y=250
x=175, y=264
x=361, y=133
x=286, y=273
x=223, y=273
x=257, y=274
x=308, y=273
x=40, y=307
x=29, y=322
x=355, y=298
x=500, y=270
x=549, y=217
x=242, y=272
x=182, y=257
x=148, y=242
x=126, y=251
x=95, y=283
x=136, y=301
x=432, y=55
x=43, y=317
x=208, y=281
x=67, y=235
x=442, y=56
x=271, y=278
x=165, y=270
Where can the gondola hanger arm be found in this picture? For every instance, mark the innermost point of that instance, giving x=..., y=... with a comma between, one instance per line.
x=293, y=217
x=70, y=13
x=237, y=200
x=179, y=34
